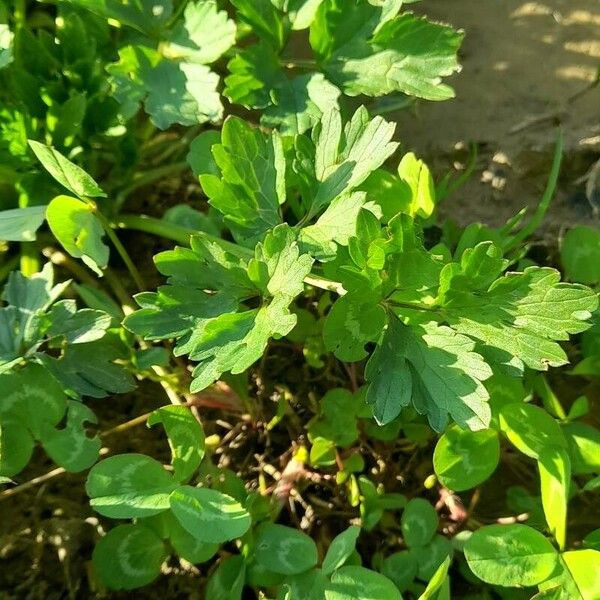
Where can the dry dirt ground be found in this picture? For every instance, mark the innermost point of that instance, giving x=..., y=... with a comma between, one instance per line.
x=528, y=68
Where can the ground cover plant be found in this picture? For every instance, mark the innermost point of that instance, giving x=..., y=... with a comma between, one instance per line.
x=347, y=397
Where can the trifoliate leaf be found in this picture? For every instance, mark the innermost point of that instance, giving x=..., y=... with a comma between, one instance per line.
x=69, y=175
x=20, y=224
x=209, y=515
x=129, y=485
x=436, y=369
x=77, y=228
x=524, y=314
x=203, y=35
x=375, y=52
x=128, y=557
x=252, y=182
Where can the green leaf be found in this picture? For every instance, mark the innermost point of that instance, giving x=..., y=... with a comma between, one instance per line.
x=415, y=173
x=576, y=577
x=344, y=156
x=252, y=182
x=583, y=442
x=431, y=556
x=203, y=35
x=16, y=446
x=147, y=16
x=77, y=228
x=367, y=49
x=20, y=224
x=401, y=568
x=172, y=91
x=433, y=367
x=129, y=485
x=358, y=583
x=524, y=314
x=89, y=369
x=209, y=515
x=530, y=428
x=580, y=255
x=186, y=545
x=128, y=557
x=186, y=439
x=464, y=459
x=77, y=326
x=200, y=157
x=69, y=175
x=339, y=410
x=334, y=227
x=555, y=476
x=298, y=104
x=437, y=581
x=340, y=549
x=70, y=447
x=510, y=555
x=283, y=549
x=6, y=52
x=419, y=522
x=227, y=582
x=265, y=20
x=33, y=397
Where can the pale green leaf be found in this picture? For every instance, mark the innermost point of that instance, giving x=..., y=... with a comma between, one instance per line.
x=209, y=515
x=464, y=459
x=555, y=477
x=21, y=224
x=77, y=228
x=359, y=583
x=69, y=175
x=510, y=555
x=530, y=428
x=186, y=438
x=129, y=485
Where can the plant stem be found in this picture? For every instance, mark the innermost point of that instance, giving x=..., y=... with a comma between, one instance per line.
x=112, y=236
x=30, y=262
x=146, y=178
